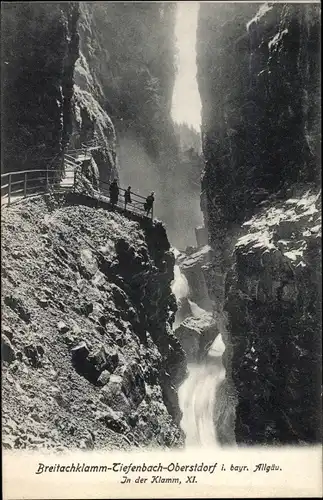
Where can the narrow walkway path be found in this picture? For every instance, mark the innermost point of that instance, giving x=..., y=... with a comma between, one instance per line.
x=13, y=199
x=73, y=160
x=70, y=164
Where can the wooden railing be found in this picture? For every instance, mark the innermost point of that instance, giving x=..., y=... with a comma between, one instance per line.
x=137, y=201
x=102, y=194
x=85, y=149
x=25, y=183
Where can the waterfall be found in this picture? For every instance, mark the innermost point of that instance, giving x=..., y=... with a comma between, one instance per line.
x=198, y=393
x=180, y=286
x=197, y=311
x=198, y=398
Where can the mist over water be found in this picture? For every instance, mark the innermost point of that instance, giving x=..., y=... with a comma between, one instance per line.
x=186, y=105
x=174, y=204
x=136, y=169
x=177, y=204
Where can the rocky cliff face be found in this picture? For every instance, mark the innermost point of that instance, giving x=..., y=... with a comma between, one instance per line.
x=40, y=47
x=193, y=266
x=259, y=81
x=273, y=301
x=89, y=358
x=86, y=69
x=91, y=121
x=104, y=72
x=258, y=76
x=127, y=65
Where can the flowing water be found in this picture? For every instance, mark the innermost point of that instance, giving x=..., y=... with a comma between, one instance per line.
x=180, y=286
x=198, y=393
x=198, y=398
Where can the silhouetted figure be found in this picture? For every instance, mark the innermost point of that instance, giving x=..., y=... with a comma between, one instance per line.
x=127, y=197
x=114, y=193
x=149, y=203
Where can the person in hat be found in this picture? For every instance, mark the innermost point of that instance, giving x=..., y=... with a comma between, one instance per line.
x=149, y=202
x=114, y=193
x=127, y=197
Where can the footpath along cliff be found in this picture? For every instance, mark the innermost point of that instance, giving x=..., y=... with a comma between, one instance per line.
x=89, y=357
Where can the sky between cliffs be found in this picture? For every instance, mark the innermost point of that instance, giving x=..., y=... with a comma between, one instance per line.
x=186, y=104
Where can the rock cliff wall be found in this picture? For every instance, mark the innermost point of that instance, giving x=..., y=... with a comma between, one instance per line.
x=91, y=121
x=259, y=79
x=258, y=75
x=89, y=357
x=104, y=72
x=85, y=71
x=273, y=300
x=39, y=50
x=127, y=63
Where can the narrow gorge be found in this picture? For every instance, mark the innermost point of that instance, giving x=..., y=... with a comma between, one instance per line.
x=200, y=325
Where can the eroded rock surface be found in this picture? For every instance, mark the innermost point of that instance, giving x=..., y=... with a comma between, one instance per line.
x=273, y=301
x=89, y=358
x=195, y=335
x=195, y=267
x=40, y=48
x=258, y=76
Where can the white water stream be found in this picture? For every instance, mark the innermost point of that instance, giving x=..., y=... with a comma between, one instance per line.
x=198, y=393
x=180, y=286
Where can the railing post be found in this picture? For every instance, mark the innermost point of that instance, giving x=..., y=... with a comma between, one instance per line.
x=25, y=185
x=62, y=167
x=9, y=189
x=100, y=194
x=74, y=183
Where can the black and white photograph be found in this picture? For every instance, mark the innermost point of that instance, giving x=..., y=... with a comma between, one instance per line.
x=161, y=244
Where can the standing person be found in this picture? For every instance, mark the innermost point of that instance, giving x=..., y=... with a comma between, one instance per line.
x=149, y=203
x=127, y=197
x=114, y=192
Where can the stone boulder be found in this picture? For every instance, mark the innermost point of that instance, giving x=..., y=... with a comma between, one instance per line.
x=112, y=395
x=192, y=266
x=7, y=350
x=18, y=306
x=92, y=365
x=195, y=335
x=133, y=384
x=113, y=420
